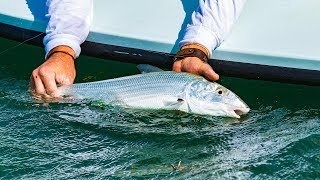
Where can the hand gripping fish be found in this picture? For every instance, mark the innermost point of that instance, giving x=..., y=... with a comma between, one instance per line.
x=157, y=89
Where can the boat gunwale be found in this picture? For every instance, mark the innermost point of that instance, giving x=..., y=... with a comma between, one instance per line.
x=165, y=60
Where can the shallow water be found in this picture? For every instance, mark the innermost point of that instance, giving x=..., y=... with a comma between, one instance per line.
x=279, y=138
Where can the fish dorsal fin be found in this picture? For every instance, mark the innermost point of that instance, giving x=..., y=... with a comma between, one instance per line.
x=146, y=68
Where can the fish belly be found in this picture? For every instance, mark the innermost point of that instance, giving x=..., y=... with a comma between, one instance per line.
x=165, y=102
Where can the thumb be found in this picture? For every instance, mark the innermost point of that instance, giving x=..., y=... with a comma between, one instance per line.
x=207, y=72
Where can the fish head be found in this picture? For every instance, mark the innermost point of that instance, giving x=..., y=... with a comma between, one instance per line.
x=210, y=98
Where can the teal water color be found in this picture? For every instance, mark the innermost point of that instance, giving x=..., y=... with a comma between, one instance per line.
x=279, y=138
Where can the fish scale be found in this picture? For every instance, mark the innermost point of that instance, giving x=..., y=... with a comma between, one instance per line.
x=161, y=90
x=132, y=87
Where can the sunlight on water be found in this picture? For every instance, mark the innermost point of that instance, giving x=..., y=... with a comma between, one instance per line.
x=279, y=138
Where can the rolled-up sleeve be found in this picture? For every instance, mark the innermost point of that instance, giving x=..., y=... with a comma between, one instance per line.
x=211, y=21
x=69, y=23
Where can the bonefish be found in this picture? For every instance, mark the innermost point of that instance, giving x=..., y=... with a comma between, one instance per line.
x=162, y=90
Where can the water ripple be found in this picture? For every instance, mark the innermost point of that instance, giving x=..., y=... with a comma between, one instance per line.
x=278, y=139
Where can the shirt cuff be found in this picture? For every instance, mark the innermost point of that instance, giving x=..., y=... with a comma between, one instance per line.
x=200, y=35
x=62, y=39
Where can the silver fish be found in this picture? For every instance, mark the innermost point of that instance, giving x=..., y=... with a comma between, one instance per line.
x=162, y=90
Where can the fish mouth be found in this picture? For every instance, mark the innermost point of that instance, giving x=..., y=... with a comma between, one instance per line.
x=237, y=112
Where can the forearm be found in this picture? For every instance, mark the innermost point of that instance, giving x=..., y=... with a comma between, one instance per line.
x=211, y=21
x=69, y=23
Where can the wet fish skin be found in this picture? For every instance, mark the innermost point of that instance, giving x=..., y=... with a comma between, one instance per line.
x=162, y=90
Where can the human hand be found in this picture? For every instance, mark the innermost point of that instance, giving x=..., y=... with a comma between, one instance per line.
x=58, y=69
x=195, y=65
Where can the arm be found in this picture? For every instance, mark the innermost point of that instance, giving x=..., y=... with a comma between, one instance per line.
x=210, y=23
x=68, y=27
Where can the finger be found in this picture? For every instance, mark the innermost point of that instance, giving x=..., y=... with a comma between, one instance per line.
x=49, y=83
x=177, y=66
x=32, y=85
x=36, y=83
x=207, y=71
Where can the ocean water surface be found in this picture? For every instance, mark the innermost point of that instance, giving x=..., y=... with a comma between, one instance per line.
x=279, y=138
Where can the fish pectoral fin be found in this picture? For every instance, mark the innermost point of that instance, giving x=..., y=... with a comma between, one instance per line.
x=146, y=68
x=174, y=103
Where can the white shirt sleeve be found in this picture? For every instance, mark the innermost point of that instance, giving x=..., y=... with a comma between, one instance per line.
x=69, y=23
x=211, y=21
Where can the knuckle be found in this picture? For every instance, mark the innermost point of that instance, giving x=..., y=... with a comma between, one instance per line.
x=191, y=68
x=34, y=73
x=43, y=71
x=175, y=67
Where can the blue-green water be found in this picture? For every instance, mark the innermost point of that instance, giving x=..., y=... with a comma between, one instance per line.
x=279, y=138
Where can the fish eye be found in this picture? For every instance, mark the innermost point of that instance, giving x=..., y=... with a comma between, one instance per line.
x=220, y=91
